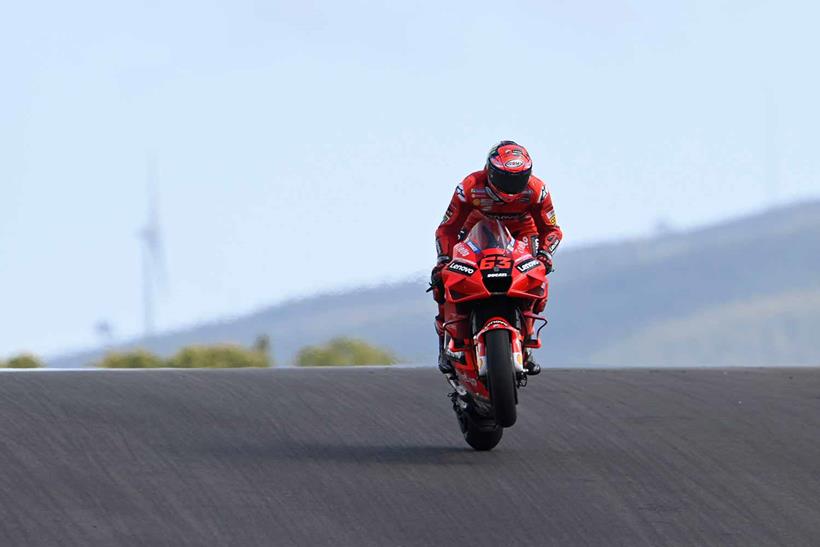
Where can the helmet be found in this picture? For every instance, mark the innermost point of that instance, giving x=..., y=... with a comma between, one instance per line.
x=508, y=169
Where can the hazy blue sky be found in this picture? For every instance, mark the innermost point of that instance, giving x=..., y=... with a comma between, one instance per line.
x=308, y=145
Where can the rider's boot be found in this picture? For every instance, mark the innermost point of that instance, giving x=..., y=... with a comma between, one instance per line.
x=530, y=366
x=444, y=364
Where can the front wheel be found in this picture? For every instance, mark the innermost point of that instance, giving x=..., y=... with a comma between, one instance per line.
x=501, y=375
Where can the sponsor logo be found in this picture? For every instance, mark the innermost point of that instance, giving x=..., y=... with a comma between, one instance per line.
x=497, y=274
x=460, y=192
x=468, y=380
x=476, y=202
x=460, y=249
x=500, y=216
x=528, y=265
x=543, y=195
x=551, y=218
x=512, y=164
x=525, y=197
x=492, y=194
x=461, y=268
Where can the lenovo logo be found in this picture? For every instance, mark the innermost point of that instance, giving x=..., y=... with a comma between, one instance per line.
x=461, y=268
x=528, y=265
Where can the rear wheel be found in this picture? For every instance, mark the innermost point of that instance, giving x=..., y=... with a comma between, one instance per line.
x=480, y=434
x=501, y=376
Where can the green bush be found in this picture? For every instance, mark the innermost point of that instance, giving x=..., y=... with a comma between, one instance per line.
x=344, y=351
x=219, y=356
x=25, y=360
x=131, y=359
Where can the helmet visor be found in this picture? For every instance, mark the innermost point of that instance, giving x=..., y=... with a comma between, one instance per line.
x=509, y=183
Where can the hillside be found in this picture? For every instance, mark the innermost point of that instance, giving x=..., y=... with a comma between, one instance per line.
x=741, y=292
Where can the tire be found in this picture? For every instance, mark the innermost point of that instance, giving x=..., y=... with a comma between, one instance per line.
x=479, y=435
x=501, y=376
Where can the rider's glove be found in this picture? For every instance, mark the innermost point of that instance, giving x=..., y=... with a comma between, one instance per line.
x=435, y=279
x=546, y=259
x=435, y=275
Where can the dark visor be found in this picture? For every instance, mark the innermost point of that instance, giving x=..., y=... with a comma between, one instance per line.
x=509, y=183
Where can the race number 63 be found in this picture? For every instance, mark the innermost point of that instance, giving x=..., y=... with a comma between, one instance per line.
x=490, y=262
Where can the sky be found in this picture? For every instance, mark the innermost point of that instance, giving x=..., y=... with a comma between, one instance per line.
x=310, y=146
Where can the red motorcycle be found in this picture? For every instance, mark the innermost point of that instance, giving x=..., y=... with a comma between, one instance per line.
x=490, y=288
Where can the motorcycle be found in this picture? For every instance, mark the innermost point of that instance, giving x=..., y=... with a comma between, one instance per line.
x=490, y=288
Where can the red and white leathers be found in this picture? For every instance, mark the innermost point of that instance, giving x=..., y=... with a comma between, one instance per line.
x=530, y=215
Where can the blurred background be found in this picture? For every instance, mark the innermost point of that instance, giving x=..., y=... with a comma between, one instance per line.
x=176, y=173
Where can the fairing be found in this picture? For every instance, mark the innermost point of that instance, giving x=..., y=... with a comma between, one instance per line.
x=491, y=262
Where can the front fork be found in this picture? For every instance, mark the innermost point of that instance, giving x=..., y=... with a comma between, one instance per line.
x=456, y=354
x=496, y=323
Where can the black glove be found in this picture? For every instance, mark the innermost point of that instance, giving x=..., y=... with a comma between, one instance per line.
x=436, y=286
x=546, y=259
x=435, y=275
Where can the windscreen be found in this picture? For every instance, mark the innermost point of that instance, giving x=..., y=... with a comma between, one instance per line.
x=489, y=234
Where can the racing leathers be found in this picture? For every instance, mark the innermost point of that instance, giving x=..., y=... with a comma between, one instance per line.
x=529, y=217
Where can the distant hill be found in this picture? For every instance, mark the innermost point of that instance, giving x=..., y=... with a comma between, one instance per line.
x=740, y=292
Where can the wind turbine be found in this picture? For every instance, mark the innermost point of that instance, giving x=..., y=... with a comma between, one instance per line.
x=153, y=255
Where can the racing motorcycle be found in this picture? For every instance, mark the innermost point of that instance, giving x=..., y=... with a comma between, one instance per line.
x=490, y=287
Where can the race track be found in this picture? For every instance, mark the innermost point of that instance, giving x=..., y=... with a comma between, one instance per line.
x=374, y=457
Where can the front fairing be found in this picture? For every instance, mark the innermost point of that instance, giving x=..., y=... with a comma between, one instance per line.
x=491, y=262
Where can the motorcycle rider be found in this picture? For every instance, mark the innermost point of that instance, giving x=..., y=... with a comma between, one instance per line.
x=507, y=191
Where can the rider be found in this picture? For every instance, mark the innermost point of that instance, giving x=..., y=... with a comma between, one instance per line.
x=507, y=191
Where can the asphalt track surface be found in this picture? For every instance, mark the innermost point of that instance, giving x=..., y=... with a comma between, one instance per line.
x=374, y=457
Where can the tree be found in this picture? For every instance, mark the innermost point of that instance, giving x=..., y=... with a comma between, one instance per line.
x=215, y=356
x=344, y=351
x=25, y=360
x=137, y=358
x=218, y=356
